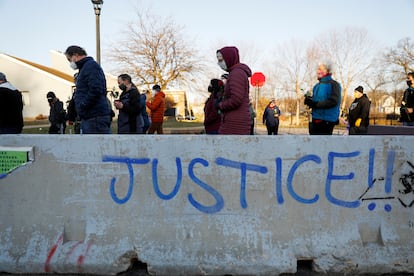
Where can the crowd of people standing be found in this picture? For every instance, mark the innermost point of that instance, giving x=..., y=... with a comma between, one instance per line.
x=227, y=111
x=91, y=107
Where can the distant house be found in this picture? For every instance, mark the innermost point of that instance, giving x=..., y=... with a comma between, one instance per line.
x=177, y=99
x=35, y=80
x=387, y=105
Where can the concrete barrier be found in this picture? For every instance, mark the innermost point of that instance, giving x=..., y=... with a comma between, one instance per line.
x=206, y=205
x=390, y=130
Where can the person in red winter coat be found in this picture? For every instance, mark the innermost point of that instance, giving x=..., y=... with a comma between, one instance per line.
x=234, y=105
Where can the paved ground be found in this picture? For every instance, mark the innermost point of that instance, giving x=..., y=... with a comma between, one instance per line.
x=286, y=130
x=260, y=130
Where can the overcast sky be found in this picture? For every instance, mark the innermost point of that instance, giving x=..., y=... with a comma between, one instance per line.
x=30, y=28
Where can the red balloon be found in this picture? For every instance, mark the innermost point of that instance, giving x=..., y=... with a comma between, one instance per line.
x=258, y=79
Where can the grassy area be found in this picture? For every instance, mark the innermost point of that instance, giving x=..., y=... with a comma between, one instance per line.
x=42, y=126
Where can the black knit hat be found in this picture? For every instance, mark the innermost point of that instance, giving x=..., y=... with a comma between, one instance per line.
x=156, y=88
x=360, y=89
x=216, y=85
x=50, y=95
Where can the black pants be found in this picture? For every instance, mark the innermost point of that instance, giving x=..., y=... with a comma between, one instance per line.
x=272, y=130
x=358, y=130
x=321, y=127
x=57, y=129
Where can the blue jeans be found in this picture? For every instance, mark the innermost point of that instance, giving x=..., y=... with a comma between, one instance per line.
x=408, y=123
x=96, y=125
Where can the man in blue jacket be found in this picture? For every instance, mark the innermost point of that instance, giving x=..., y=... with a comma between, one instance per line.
x=90, y=97
x=325, y=102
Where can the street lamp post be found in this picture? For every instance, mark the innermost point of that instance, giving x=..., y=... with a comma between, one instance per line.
x=97, y=7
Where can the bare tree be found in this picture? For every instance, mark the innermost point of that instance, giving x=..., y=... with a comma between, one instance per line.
x=401, y=57
x=351, y=51
x=291, y=61
x=376, y=79
x=375, y=84
x=155, y=51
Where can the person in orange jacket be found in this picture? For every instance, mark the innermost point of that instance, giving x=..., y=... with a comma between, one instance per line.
x=157, y=107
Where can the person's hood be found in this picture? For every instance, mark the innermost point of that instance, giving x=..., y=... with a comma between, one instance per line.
x=7, y=85
x=230, y=56
x=243, y=67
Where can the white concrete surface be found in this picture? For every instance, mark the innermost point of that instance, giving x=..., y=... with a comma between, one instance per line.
x=208, y=205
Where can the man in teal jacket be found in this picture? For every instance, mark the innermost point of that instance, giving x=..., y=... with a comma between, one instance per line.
x=325, y=102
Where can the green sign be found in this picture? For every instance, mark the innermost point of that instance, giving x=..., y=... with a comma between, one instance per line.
x=10, y=160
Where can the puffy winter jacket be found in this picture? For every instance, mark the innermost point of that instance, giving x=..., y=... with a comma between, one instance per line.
x=90, y=96
x=157, y=107
x=129, y=118
x=235, y=103
x=327, y=94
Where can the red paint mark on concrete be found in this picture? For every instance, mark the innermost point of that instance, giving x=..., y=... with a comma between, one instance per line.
x=72, y=249
x=81, y=258
x=51, y=253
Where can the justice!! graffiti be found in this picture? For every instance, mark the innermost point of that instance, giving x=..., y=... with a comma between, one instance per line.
x=245, y=168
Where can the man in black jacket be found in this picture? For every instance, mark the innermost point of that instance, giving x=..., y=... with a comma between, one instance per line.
x=57, y=115
x=11, y=108
x=407, y=103
x=129, y=117
x=358, y=115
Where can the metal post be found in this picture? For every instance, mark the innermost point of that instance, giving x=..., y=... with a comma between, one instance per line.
x=257, y=99
x=97, y=7
x=98, y=36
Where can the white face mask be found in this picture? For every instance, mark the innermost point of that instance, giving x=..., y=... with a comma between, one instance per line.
x=154, y=92
x=73, y=65
x=221, y=61
x=222, y=65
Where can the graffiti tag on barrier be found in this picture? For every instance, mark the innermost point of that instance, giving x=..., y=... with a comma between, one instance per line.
x=59, y=245
x=405, y=194
x=406, y=180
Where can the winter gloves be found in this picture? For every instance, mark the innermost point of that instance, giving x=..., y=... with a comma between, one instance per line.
x=310, y=102
x=358, y=122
